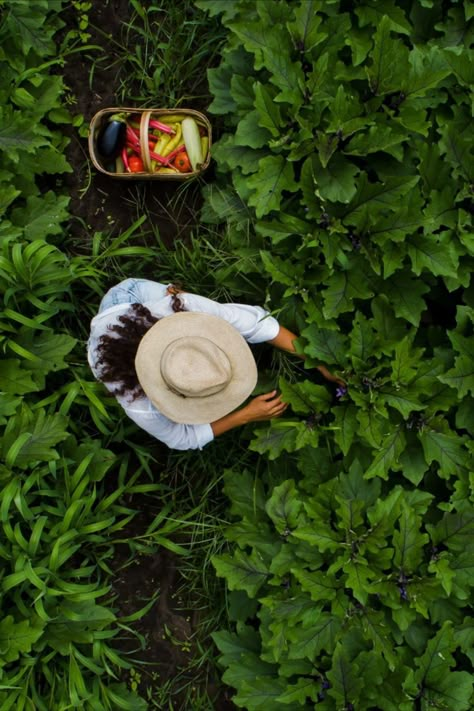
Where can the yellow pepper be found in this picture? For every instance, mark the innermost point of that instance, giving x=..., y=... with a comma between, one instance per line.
x=174, y=142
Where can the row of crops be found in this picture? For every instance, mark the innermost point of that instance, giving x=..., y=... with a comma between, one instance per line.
x=344, y=195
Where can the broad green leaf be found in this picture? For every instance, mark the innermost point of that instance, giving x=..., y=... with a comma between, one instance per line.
x=336, y=180
x=371, y=12
x=283, y=226
x=328, y=347
x=375, y=198
x=435, y=678
x=395, y=226
x=464, y=637
x=283, y=507
x=227, y=152
x=272, y=49
x=374, y=626
x=465, y=416
x=280, y=270
x=320, y=586
x=14, y=379
x=219, y=79
x=284, y=436
x=268, y=112
x=9, y=404
x=457, y=149
x=345, y=419
x=362, y=338
x=306, y=29
x=405, y=294
x=440, y=566
x=242, y=91
x=232, y=645
x=408, y=541
x=389, y=58
x=274, y=176
x=305, y=397
x=461, y=375
x=304, y=689
x=320, y=534
x=389, y=328
x=247, y=666
x=18, y=638
x=217, y=7
x=250, y=133
x=387, y=456
x=436, y=254
x=455, y=530
x=242, y=571
x=405, y=399
x=309, y=640
x=17, y=135
x=24, y=23
x=259, y=693
x=345, y=677
x=343, y=287
x=461, y=63
x=42, y=216
x=373, y=427
x=445, y=448
x=428, y=67
x=413, y=464
x=406, y=361
x=386, y=138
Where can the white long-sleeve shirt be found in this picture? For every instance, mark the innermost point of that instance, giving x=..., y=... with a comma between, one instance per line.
x=253, y=323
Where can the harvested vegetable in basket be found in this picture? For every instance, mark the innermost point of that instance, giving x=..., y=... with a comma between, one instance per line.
x=147, y=143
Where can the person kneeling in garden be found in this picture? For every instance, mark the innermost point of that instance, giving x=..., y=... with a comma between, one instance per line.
x=179, y=364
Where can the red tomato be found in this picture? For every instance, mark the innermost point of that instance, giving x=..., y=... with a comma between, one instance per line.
x=182, y=163
x=136, y=164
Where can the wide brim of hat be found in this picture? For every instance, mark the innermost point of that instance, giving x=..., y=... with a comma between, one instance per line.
x=189, y=410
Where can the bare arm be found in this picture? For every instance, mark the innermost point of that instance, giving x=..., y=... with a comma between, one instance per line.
x=285, y=341
x=262, y=407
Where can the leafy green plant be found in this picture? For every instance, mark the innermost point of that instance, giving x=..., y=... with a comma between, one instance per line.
x=360, y=603
x=345, y=186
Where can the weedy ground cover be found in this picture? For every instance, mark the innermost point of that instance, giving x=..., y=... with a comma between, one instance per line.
x=348, y=157
x=71, y=480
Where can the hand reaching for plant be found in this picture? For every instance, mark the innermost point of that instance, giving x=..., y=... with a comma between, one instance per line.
x=329, y=376
x=264, y=407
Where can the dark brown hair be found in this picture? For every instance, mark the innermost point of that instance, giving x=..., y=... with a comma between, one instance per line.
x=117, y=349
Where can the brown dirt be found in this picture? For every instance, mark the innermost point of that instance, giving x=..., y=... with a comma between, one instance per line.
x=99, y=202
x=102, y=204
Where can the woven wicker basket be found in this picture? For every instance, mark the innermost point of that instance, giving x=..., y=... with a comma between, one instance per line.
x=100, y=163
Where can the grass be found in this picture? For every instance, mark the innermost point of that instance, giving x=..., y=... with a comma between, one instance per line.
x=161, y=52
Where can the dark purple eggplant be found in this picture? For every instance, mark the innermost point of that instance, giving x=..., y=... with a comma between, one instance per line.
x=111, y=139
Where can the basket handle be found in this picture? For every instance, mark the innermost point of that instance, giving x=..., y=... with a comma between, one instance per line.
x=144, y=147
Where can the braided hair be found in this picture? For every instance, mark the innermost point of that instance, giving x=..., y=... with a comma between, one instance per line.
x=117, y=349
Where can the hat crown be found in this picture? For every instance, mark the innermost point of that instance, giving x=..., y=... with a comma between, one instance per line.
x=195, y=367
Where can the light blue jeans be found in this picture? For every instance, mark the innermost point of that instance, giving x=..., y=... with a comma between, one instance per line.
x=133, y=291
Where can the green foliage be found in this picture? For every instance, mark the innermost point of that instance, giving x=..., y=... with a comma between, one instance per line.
x=351, y=584
x=57, y=522
x=344, y=178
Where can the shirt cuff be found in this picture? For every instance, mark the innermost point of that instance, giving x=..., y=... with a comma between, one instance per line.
x=267, y=329
x=204, y=435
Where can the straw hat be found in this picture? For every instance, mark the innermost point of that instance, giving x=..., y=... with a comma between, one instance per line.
x=195, y=367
